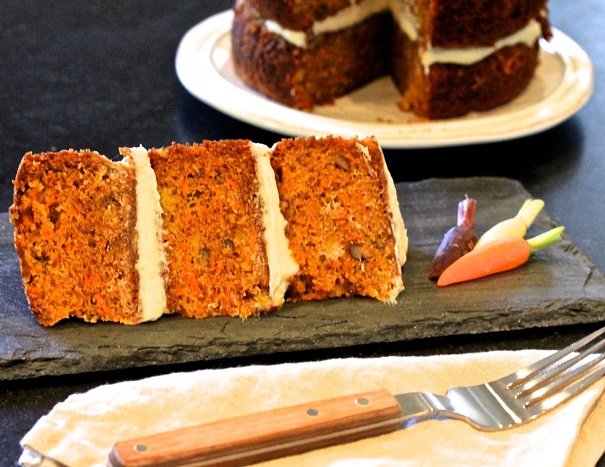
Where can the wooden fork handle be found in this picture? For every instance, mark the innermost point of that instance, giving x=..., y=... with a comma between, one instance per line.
x=266, y=435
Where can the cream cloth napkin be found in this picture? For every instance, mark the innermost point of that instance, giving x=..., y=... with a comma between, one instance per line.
x=81, y=430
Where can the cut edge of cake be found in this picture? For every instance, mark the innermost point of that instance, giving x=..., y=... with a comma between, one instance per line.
x=345, y=225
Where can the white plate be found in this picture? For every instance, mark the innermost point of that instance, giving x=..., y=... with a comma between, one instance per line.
x=562, y=84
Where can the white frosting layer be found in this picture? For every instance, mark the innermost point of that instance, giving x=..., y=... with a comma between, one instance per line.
x=347, y=17
x=282, y=265
x=297, y=38
x=400, y=9
x=350, y=16
x=399, y=230
x=152, y=260
x=526, y=36
x=397, y=224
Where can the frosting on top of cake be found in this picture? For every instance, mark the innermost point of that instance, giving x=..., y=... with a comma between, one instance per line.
x=282, y=265
x=406, y=19
x=151, y=257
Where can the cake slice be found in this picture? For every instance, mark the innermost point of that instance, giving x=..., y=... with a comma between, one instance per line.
x=219, y=228
x=75, y=218
x=226, y=250
x=344, y=225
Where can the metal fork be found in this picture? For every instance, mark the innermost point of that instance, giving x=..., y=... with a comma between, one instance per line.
x=505, y=403
x=519, y=397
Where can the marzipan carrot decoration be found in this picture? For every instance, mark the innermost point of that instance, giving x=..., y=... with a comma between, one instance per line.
x=516, y=226
x=497, y=256
x=457, y=241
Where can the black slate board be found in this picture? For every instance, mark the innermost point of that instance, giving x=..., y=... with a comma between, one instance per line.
x=558, y=286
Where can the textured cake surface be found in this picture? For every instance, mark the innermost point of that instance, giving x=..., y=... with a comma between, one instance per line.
x=212, y=229
x=74, y=216
x=334, y=196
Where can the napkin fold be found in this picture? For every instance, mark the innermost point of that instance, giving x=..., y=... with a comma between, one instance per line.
x=82, y=430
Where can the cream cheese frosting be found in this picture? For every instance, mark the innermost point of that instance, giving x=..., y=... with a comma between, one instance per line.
x=282, y=265
x=151, y=257
x=405, y=18
x=397, y=224
x=526, y=36
x=349, y=16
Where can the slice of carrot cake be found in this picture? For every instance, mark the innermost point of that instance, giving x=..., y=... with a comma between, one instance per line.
x=344, y=225
x=75, y=218
x=221, y=229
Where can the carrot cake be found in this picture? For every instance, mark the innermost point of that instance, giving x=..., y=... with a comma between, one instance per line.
x=217, y=228
x=222, y=229
x=344, y=225
x=447, y=58
x=75, y=215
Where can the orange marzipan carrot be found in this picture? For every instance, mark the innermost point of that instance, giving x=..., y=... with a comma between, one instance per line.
x=491, y=258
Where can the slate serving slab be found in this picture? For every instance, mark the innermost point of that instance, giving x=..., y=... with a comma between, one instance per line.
x=558, y=286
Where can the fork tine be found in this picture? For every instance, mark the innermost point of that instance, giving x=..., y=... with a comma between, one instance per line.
x=526, y=374
x=554, y=372
x=566, y=386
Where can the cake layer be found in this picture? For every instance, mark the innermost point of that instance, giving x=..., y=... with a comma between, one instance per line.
x=476, y=23
x=74, y=215
x=213, y=229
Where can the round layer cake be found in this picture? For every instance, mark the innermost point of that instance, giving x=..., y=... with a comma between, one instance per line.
x=446, y=58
